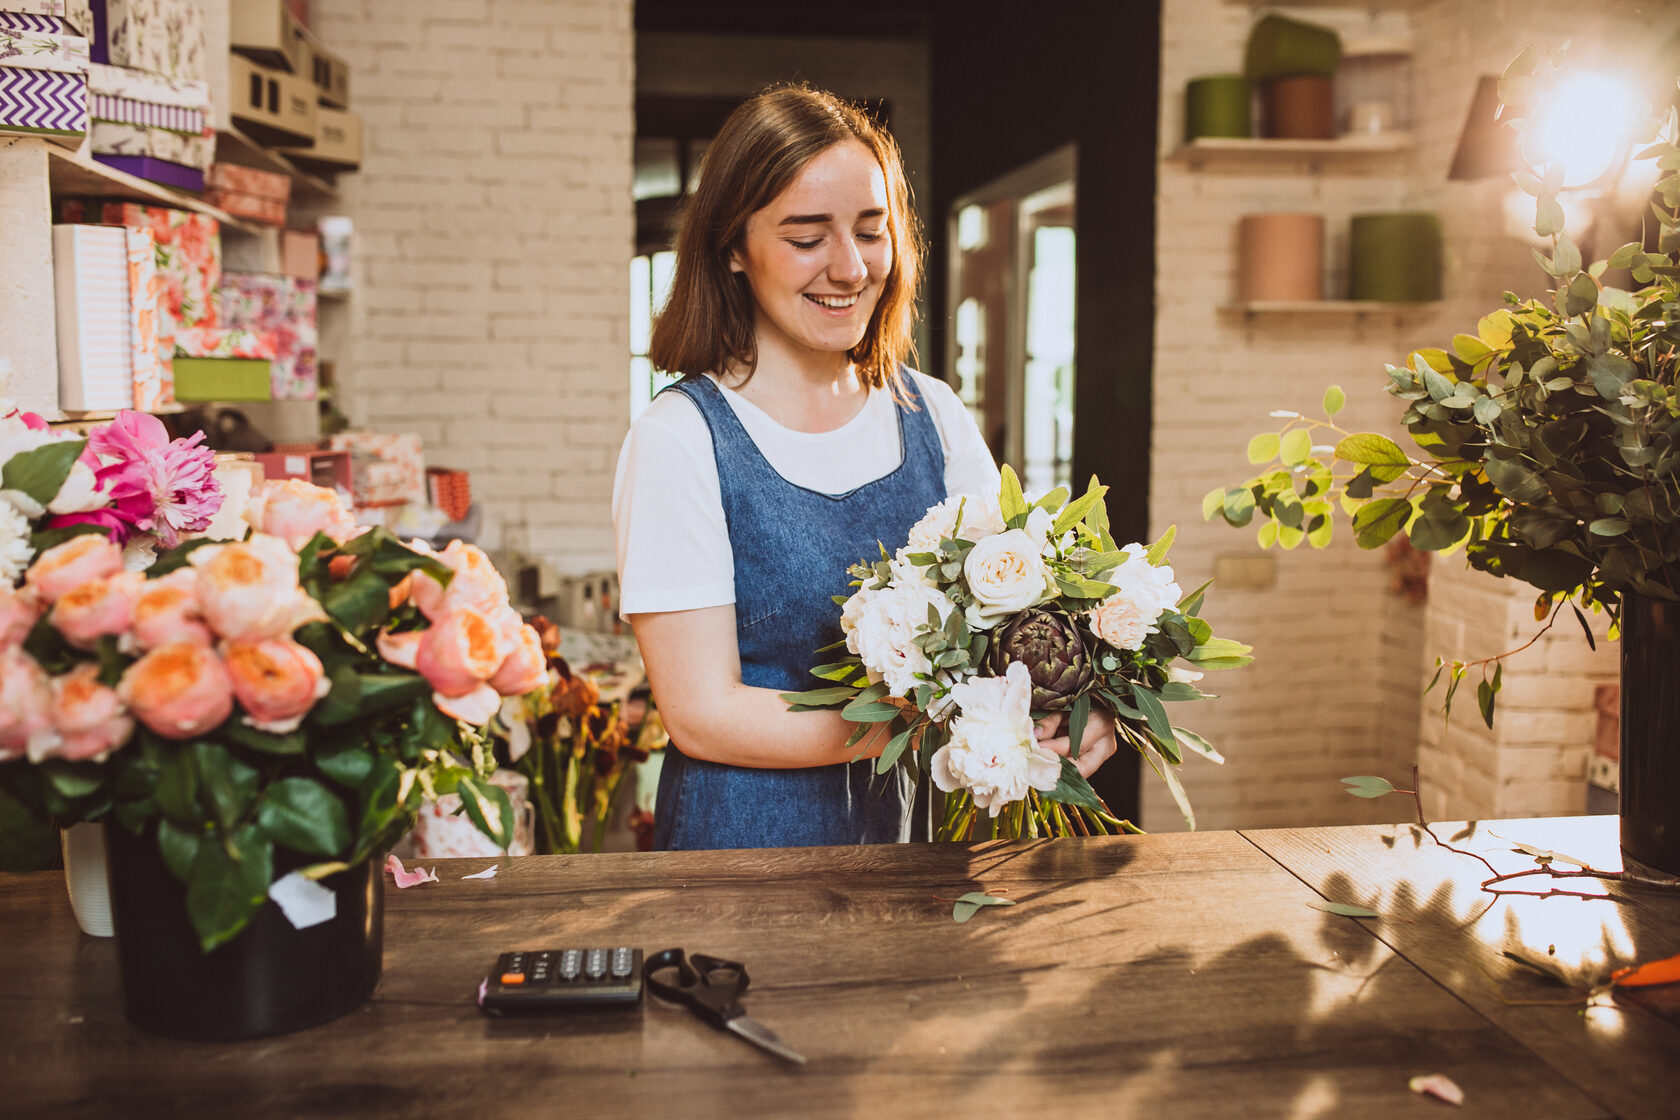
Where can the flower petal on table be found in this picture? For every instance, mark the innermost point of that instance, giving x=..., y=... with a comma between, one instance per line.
x=1438, y=1086
x=487, y=873
x=405, y=878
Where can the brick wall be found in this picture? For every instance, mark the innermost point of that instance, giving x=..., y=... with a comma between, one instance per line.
x=494, y=224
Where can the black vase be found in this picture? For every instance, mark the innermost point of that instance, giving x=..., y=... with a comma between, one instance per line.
x=1650, y=768
x=270, y=979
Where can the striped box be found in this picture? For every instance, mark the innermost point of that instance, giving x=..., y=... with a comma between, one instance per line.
x=90, y=279
x=120, y=110
x=134, y=97
x=30, y=21
x=47, y=103
x=72, y=15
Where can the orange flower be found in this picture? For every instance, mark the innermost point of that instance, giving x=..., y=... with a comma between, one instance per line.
x=88, y=716
x=167, y=611
x=179, y=690
x=276, y=681
x=460, y=652
x=64, y=566
x=98, y=608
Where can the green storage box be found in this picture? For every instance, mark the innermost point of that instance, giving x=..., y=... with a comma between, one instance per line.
x=223, y=379
x=1280, y=47
x=1216, y=105
x=1395, y=258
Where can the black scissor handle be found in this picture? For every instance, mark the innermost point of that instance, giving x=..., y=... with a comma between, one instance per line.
x=710, y=986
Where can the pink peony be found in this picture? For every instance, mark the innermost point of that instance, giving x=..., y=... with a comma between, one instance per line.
x=25, y=707
x=249, y=591
x=276, y=681
x=168, y=611
x=88, y=716
x=165, y=487
x=179, y=690
x=460, y=652
x=71, y=564
x=97, y=609
x=526, y=668
x=19, y=612
x=477, y=584
x=295, y=511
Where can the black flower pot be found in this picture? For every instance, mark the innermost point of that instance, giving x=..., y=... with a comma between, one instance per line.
x=1650, y=777
x=268, y=980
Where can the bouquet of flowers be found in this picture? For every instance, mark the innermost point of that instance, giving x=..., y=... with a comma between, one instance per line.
x=283, y=699
x=998, y=612
x=576, y=746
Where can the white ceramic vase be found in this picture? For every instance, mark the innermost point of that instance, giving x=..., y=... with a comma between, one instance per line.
x=85, y=874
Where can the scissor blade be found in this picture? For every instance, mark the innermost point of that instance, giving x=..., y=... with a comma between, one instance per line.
x=760, y=1035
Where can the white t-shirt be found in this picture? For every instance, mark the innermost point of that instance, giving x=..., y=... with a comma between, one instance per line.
x=673, y=538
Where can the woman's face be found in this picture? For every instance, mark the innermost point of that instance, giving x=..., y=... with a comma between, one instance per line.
x=817, y=257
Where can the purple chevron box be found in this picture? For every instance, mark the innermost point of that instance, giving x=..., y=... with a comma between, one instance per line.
x=51, y=104
x=59, y=17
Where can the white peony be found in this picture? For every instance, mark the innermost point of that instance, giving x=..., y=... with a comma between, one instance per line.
x=980, y=519
x=992, y=753
x=15, y=553
x=1007, y=574
x=880, y=626
x=1127, y=617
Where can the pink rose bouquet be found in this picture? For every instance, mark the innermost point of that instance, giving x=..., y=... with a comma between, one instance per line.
x=304, y=688
x=996, y=613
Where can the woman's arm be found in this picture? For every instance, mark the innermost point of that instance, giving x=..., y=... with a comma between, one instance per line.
x=694, y=668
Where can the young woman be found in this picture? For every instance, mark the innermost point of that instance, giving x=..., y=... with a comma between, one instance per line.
x=795, y=440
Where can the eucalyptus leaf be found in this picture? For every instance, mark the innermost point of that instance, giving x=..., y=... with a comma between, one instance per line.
x=1345, y=909
x=969, y=904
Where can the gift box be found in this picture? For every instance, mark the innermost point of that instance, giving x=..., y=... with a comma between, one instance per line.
x=323, y=468
x=109, y=138
x=300, y=255
x=189, y=267
x=330, y=73
x=48, y=103
x=154, y=385
x=154, y=170
x=283, y=308
x=273, y=106
x=217, y=364
x=338, y=141
x=387, y=467
x=90, y=286
x=249, y=193
x=164, y=37
x=64, y=17
x=449, y=491
x=134, y=97
x=40, y=50
x=266, y=31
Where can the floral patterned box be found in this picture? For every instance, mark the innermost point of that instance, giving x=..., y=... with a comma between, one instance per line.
x=249, y=193
x=115, y=139
x=152, y=388
x=163, y=37
x=217, y=364
x=35, y=50
x=387, y=466
x=283, y=308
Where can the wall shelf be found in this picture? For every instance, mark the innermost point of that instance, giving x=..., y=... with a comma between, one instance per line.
x=234, y=146
x=1239, y=152
x=71, y=174
x=1328, y=308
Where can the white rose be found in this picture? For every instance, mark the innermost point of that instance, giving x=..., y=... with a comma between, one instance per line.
x=79, y=493
x=992, y=753
x=1007, y=575
x=1127, y=617
x=1038, y=526
x=880, y=626
x=980, y=519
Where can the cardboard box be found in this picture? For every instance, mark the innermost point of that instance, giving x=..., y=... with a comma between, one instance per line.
x=338, y=141
x=90, y=283
x=283, y=308
x=137, y=98
x=69, y=17
x=330, y=73
x=51, y=104
x=387, y=466
x=323, y=468
x=266, y=31
x=109, y=138
x=164, y=37
x=273, y=106
x=154, y=170
x=300, y=255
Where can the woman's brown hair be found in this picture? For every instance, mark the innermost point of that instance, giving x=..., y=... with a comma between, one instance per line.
x=707, y=322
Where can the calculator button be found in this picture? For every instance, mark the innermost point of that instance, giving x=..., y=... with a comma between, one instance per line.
x=621, y=959
x=570, y=962
x=595, y=965
x=511, y=978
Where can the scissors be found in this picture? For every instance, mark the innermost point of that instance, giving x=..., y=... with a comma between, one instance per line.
x=712, y=990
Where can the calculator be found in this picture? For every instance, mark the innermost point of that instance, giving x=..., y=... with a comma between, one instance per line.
x=563, y=979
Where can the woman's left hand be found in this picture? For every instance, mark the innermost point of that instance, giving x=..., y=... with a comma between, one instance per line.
x=1096, y=747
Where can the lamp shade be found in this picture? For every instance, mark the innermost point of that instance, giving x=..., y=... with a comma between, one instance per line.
x=1395, y=257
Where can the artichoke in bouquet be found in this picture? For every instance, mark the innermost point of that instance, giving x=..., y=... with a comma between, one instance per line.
x=1049, y=644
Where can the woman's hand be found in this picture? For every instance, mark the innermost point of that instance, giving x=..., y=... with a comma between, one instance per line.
x=1096, y=747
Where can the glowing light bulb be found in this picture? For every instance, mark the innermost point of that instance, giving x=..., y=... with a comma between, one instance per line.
x=1586, y=123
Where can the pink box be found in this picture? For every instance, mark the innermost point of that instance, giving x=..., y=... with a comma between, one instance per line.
x=388, y=467
x=300, y=255
x=284, y=308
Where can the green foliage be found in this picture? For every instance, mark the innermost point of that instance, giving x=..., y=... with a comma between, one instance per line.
x=969, y=904
x=40, y=473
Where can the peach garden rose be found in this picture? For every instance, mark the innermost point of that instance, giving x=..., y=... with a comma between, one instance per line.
x=180, y=690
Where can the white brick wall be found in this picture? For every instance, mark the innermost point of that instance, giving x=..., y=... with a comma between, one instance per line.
x=1341, y=660
x=494, y=225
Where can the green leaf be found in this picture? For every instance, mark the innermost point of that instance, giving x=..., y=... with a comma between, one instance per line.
x=1195, y=744
x=1166, y=773
x=1154, y=714
x=73, y=779
x=1052, y=500
x=889, y=754
x=1345, y=909
x=178, y=557
x=177, y=788
x=41, y=472
x=822, y=697
x=229, y=785
x=1220, y=653
x=1608, y=526
x=1624, y=256
x=225, y=887
x=1078, y=715
x=1213, y=503
x=178, y=846
x=305, y=816
x=1369, y=785
x=361, y=603
x=1156, y=553
x=1295, y=446
x=1371, y=449
x=489, y=808
x=1011, y=502
x=969, y=904
x=239, y=734
x=1334, y=400
x=27, y=842
x=1239, y=506
x=1073, y=789
x=1566, y=260
x=1263, y=448
x=1077, y=509
x=1582, y=296
x=1376, y=522
x=1514, y=480
x=347, y=763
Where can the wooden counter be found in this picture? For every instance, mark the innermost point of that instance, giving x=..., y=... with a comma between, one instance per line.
x=1160, y=976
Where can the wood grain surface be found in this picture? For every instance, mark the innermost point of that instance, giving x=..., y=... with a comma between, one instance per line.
x=1624, y=1050
x=1170, y=976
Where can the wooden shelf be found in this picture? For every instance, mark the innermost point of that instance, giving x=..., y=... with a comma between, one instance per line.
x=101, y=416
x=1349, y=308
x=1235, y=151
x=233, y=146
x=72, y=174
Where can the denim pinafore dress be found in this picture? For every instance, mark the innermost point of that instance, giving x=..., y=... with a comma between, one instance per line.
x=792, y=547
